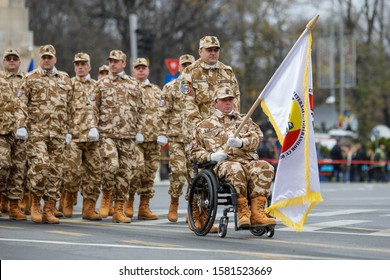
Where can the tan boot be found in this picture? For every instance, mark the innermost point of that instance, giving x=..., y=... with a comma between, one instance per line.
x=129, y=206
x=89, y=212
x=48, y=215
x=14, y=211
x=258, y=215
x=57, y=213
x=36, y=215
x=25, y=203
x=75, y=198
x=111, y=212
x=105, y=204
x=144, y=213
x=202, y=219
x=172, y=212
x=61, y=203
x=243, y=213
x=68, y=203
x=119, y=216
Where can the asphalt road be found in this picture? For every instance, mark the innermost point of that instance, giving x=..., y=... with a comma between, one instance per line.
x=353, y=223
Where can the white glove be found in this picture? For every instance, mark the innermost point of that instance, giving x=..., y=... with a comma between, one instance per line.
x=21, y=133
x=234, y=142
x=68, y=138
x=162, y=140
x=139, y=138
x=218, y=156
x=93, y=134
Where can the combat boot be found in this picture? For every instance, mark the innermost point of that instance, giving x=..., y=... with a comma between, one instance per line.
x=48, y=215
x=129, y=206
x=119, y=216
x=144, y=213
x=258, y=215
x=111, y=212
x=25, y=203
x=36, y=215
x=68, y=203
x=89, y=212
x=14, y=211
x=243, y=213
x=105, y=204
x=172, y=212
x=57, y=213
x=202, y=219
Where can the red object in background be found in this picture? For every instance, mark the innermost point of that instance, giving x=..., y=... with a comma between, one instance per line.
x=172, y=64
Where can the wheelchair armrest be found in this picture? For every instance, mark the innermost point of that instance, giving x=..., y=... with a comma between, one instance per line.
x=207, y=165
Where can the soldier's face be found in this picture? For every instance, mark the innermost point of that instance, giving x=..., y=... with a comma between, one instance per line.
x=47, y=62
x=116, y=66
x=81, y=68
x=225, y=105
x=11, y=63
x=141, y=72
x=209, y=55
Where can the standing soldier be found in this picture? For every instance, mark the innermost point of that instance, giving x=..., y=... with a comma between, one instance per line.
x=82, y=169
x=120, y=105
x=148, y=150
x=174, y=118
x=12, y=150
x=42, y=114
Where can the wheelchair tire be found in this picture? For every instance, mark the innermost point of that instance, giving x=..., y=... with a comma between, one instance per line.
x=203, y=200
x=258, y=231
x=270, y=231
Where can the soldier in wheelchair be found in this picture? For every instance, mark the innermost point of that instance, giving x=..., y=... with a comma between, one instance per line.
x=237, y=163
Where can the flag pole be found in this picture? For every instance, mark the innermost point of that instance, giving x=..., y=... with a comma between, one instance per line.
x=309, y=27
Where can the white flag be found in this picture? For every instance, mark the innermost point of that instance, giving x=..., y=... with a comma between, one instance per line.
x=287, y=101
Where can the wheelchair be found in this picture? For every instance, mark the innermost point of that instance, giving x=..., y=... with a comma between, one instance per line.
x=206, y=193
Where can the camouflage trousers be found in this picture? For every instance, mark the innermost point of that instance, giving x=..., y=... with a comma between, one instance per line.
x=118, y=166
x=148, y=161
x=12, y=166
x=82, y=170
x=45, y=167
x=179, y=166
x=253, y=176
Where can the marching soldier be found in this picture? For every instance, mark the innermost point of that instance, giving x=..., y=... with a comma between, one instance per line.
x=174, y=118
x=42, y=116
x=12, y=150
x=120, y=105
x=148, y=150
x=82, y=162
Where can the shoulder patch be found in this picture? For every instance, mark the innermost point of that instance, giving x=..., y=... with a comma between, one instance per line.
x=185, y=87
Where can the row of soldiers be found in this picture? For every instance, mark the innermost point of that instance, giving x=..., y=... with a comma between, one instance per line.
x=65, y=135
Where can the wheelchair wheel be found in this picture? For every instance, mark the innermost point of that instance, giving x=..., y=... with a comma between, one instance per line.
x=258, y=231
x=270, y=231
x=203, y=202
x=222, y=228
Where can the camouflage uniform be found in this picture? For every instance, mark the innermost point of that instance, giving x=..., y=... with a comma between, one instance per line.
x=120, y=105
x=148, y=152
x=175, y=125
x=242, y=169
x=82, y=163
x=44, y=99
x=13, y=151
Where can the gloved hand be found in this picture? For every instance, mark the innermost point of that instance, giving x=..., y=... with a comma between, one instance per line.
x=139, y=138
x=162, y=140
x=21, y=133
x=93, y=134
x=234, y=142
x=68, y=138
x=218, y=156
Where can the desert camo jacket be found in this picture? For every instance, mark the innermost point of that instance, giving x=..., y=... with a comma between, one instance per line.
x=151, y=115
x=174, y=113
x=7, y=108
x=199, y=82
x=212, y=134
x=42, y=104
x=83, y=113
x=120, y=104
